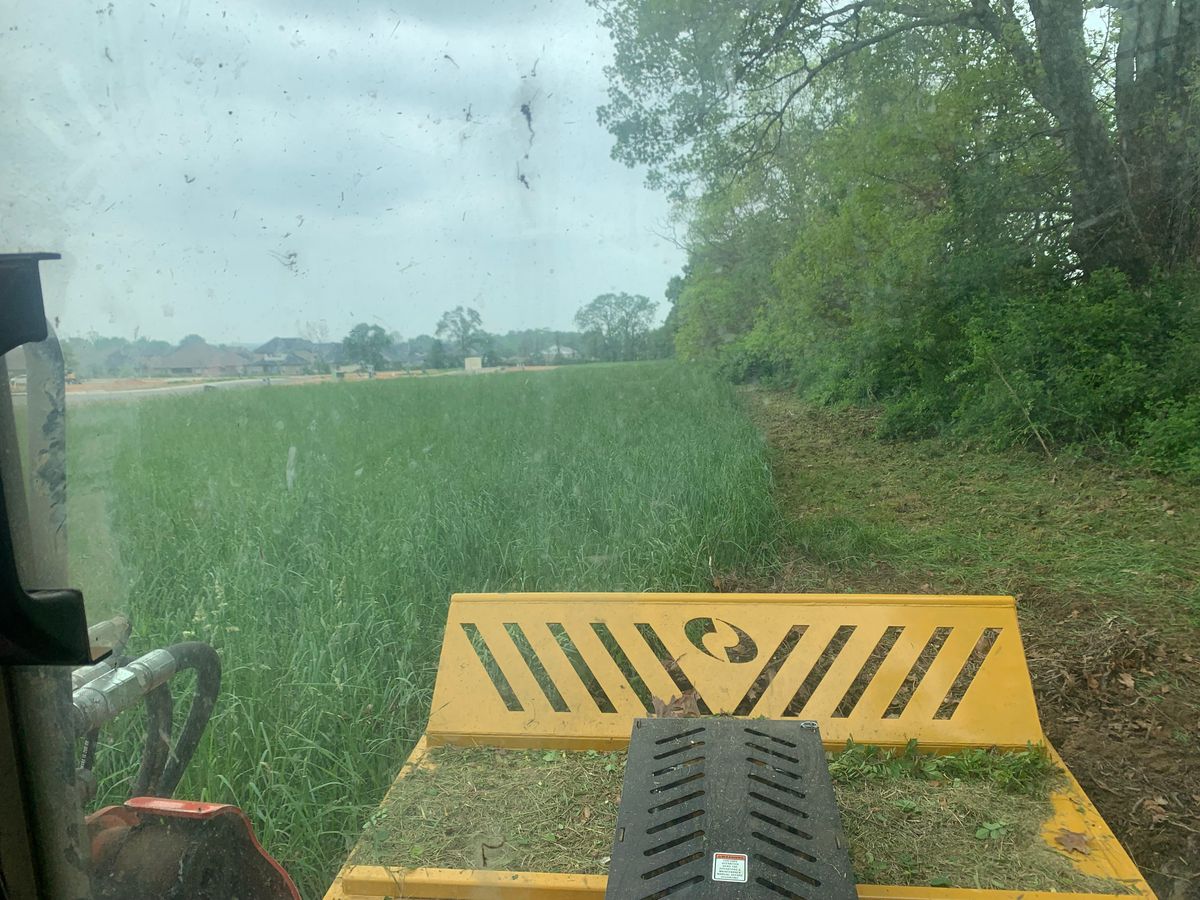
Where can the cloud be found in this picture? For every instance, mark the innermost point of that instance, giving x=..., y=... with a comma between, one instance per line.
x=175, y=153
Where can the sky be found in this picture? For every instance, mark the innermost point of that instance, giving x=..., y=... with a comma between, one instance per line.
x=280, y=167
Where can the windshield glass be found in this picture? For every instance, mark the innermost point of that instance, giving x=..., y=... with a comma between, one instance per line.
x=364, y=305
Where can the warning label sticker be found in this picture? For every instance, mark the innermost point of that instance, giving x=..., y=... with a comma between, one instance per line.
x=730, y=866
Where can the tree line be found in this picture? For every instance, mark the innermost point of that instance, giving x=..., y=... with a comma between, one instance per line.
x=612, y=328
x=982, y=215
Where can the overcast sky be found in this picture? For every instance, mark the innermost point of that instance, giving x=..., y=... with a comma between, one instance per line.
x=240, y=169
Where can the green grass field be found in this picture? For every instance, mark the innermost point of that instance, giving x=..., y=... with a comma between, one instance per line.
x=325, y=596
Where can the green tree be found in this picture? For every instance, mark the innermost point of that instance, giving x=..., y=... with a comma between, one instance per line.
x=436, y=358
x=462, y=327
x=615, y=325
x=698, y=91
x=70, y=357
x=366, y=345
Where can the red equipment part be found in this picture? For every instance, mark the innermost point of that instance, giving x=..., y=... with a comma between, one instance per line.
x=175, y=849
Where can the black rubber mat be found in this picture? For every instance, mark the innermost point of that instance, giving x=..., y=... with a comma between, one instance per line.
x=728, y=808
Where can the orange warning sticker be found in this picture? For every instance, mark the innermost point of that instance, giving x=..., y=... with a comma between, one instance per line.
x=730, y=866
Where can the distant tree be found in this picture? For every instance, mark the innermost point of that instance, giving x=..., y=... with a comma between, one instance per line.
x=532, y=341
x=435, y=357
x=192, y=340
x=366, y=345
x=489, y=350
x=660, y=342
x=316, y=332
x=615, y=325
x=70, y=357
x=462, y=327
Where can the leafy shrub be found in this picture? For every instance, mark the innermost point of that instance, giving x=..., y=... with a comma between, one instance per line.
x=1169, y=437
x=1079, y=364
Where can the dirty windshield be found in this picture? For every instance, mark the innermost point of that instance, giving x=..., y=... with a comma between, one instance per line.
x=362, y=306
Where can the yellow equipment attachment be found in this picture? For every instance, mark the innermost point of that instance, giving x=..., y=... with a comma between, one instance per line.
x=572, y=671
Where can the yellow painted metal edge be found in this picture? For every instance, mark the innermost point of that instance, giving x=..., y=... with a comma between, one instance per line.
x=337, y=890
x=607, y=743
x=956, y=600
x=470, y=884
x=892, y=892
x=467, y=884
x=1072, y=809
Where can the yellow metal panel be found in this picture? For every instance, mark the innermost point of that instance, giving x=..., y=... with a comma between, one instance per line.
x=634, y=647
x=652, y=633
x=839, y=676
x=892, y=673
x=607, y=673
x=892, y=892
x=941, y=674
x=559, y=669
x=469, y=884
x=1075, y=812
x=760, y=679
x=1072, y=810
x=376, y=882
x=514, y=668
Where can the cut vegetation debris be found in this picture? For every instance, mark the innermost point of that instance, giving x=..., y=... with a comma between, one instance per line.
x=527, y=811
x=968, y=820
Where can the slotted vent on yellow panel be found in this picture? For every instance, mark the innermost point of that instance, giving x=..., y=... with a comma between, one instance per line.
x=551, y=669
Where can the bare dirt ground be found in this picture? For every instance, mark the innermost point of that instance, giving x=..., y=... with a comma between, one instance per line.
x=135, y=388
x=1105, y=564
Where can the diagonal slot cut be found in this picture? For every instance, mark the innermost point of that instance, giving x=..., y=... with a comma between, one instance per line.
x=517, y=635
x=850, y=699
x=916, y=674
x=786, y=848
x=814, y=678
x=678, y=766
x=680, y=736
x=778, y=804
x=673, y=864
x=755, y=761
x=507, y=695
x=670, y=665
x=671, y=823
x=767, y=750
x=799, y=795
x=582, y=669
x=770, y=670
x=966, y=675
x=679, y=782
x=674, y=842
x=674, y=889
x=675, y=751
x=678, y=801
x=770, y=737
x=782, y=826
x=788, y=870
x=776, y=889
x=632, y=677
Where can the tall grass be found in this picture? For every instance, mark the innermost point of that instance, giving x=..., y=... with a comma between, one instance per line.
x=325, y=599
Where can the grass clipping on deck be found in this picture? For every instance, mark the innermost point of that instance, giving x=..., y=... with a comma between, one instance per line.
x=971, y=820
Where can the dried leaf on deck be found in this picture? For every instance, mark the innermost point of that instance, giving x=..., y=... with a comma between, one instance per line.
x=684, y=706
x=1074, y=841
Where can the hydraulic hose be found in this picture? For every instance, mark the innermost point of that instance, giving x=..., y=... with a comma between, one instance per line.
x=203, y=659
x=160, y=710
x=103, y=698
